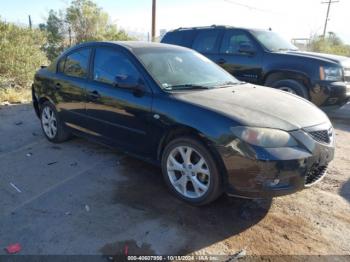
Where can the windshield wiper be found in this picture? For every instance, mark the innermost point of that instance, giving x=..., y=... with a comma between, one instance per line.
x=188, y=86
x=229, y=83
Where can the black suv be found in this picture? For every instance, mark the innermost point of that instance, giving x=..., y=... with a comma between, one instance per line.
x=264, y=58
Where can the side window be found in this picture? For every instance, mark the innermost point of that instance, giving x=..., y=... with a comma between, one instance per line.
x=60, y=65
x=233, y=40
x=109, y=64
x=183, y=38
x=77, y=63
x=205, y=41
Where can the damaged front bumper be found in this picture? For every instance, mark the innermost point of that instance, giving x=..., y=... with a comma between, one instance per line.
x=254, y=172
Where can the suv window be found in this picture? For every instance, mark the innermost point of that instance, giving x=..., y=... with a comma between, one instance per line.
x=109, y=64
x=205, y=41
x=77, y=63
x=183, y=38
x=232, y=41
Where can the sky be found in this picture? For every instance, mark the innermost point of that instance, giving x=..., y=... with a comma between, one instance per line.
x=290, y=18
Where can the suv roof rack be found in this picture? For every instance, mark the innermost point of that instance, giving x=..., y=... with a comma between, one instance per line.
x=203, y=27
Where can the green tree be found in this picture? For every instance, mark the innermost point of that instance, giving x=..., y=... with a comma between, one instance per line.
x=20, y=55
x=90, y=23
x=55, y=32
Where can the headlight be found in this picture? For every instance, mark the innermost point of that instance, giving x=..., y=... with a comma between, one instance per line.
x=331, y=73
x=264, y=137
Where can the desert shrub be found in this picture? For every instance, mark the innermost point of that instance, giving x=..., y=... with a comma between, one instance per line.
x=20, y=55
x=331, y=44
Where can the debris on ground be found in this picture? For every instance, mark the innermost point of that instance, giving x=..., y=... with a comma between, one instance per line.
x=87, y=208
x=74, y=164
x=240, y=254
x=34, y=134
x=52, y=163
x=29, y=154
x=5, y=103
x=18, y=123
x=68, y=213
x=15, y=187
x=13, y=248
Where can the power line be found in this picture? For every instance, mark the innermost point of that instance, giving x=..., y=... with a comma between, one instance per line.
x=330, y=2
x=250, y=7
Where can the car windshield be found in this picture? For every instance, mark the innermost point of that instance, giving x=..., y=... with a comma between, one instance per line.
x=176, y=69
x=273, y=42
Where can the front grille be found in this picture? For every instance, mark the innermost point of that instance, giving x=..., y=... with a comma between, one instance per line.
x=315, y=174
x=322, y=136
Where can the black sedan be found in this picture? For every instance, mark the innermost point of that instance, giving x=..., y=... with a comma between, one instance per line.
x=172, y=106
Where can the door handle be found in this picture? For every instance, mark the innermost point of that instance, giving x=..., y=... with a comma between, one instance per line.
x=94, y=95
x=221, y=61
x=57, y=86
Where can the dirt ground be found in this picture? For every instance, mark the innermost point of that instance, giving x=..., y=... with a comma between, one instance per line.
x=81, y=198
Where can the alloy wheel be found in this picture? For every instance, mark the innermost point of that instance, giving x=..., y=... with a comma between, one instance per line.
x=287, y=89
x=49, y=122
x=188, y=172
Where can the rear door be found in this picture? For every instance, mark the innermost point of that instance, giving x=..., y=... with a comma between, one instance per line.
x=118, y=115
x=69, y=87
x=245, y=66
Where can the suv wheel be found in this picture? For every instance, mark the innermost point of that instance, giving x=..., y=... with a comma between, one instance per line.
x=291, y=86
x=52, y=126
x=191, y=172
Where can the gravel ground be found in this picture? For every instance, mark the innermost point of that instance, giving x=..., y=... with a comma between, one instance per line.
x=81, y=198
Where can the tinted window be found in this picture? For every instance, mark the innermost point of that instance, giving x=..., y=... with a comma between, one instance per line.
x=183, y=38
x=60, y=66
x=205, y=41
x=109, y=64
x=232, y=40
x=77, y=63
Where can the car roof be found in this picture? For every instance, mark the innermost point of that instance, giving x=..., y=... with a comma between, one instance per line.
x=215, y=27
x=132, y=46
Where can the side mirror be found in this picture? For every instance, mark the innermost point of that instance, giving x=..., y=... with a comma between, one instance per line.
x=246, y=48
x=128, y=82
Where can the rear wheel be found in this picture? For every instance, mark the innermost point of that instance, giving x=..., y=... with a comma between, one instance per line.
x=291, y=86
x=190, y=171
x=51, y=124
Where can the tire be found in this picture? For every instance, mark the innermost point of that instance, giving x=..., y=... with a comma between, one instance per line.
x=297, y=88
x=201, y=188
x=48, y=121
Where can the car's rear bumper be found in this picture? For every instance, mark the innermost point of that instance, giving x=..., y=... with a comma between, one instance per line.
x=265, y=173
x=330, y=93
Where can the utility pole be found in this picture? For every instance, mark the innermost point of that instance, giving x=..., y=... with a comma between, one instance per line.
x=328, y=9
x=153, y=20
x=30, y=22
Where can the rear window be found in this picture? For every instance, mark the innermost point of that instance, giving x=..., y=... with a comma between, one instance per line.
x=182, y=38
x=205, y=41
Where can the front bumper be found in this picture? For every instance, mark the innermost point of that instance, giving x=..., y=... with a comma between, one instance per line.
x=325, y=93
x=266, y=173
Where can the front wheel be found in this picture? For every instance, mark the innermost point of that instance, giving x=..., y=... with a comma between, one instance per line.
x=191, y=172
x=291, y=86
x=51, y=124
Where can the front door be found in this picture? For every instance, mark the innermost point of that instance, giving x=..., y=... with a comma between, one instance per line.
x=118, y=115
x=235, y=58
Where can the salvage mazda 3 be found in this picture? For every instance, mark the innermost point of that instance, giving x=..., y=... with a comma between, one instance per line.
x=173, y=107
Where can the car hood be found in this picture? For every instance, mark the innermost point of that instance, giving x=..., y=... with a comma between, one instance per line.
x=342, y=60
x=258, y=106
